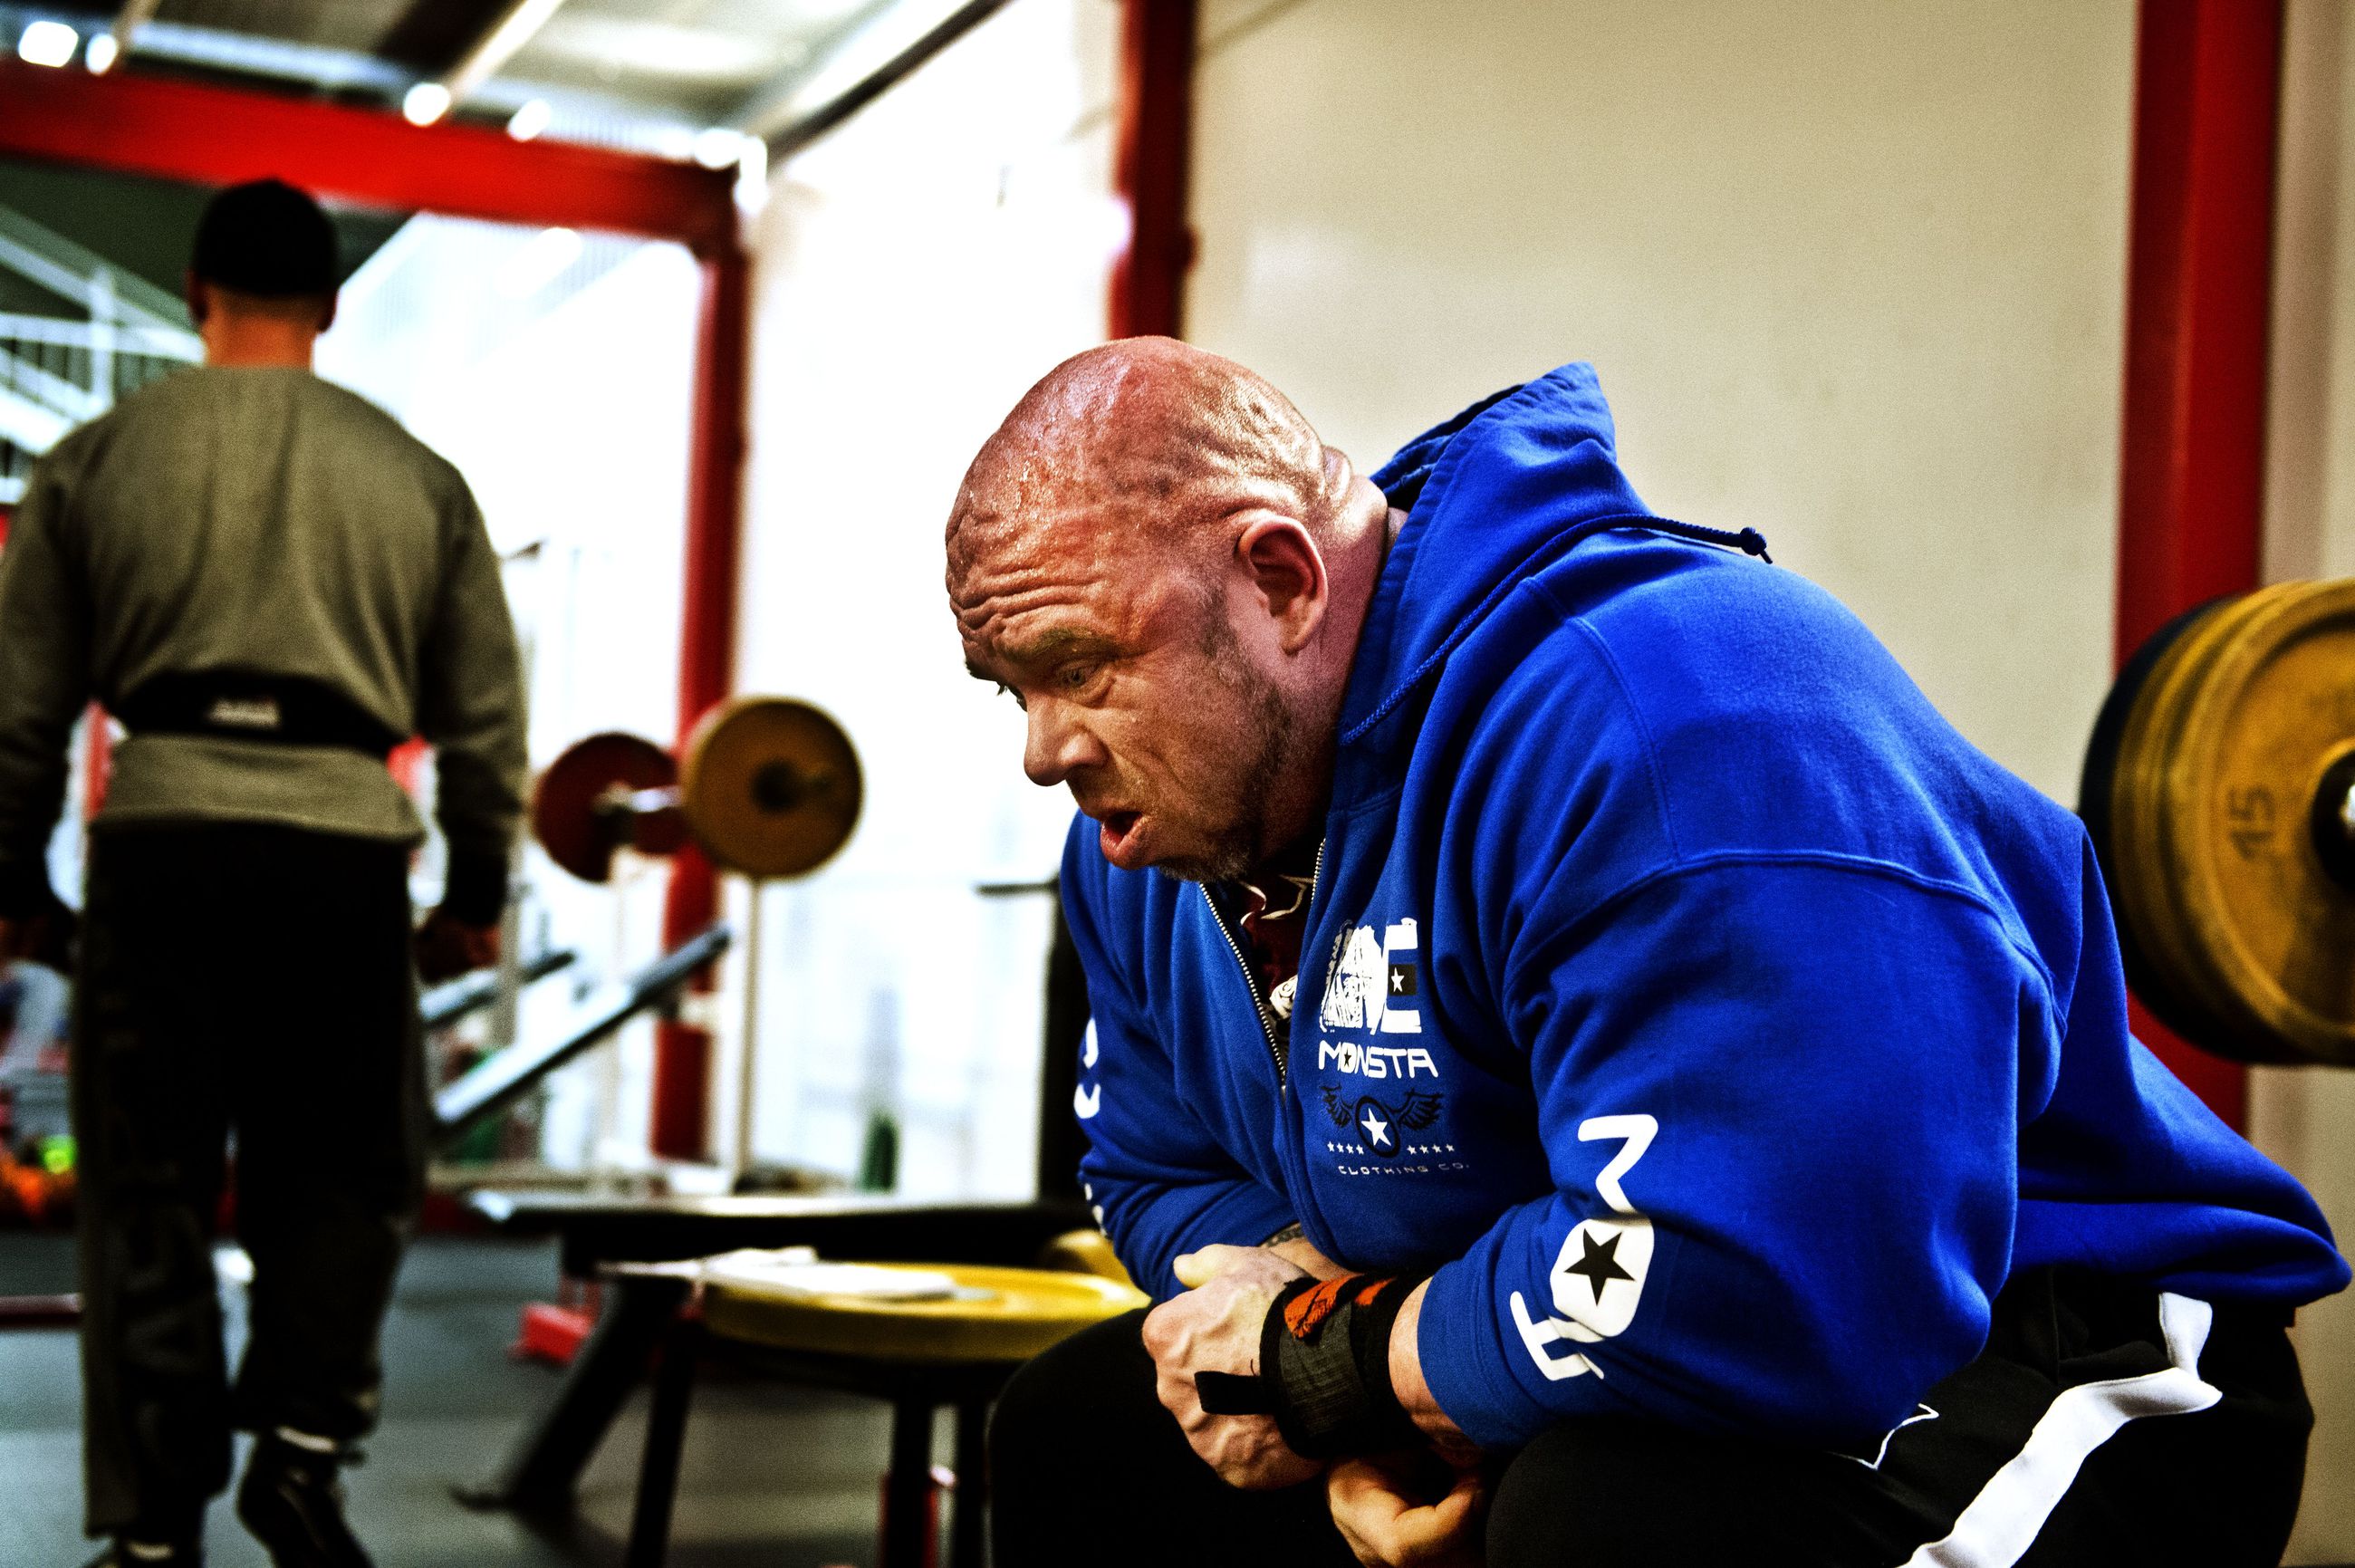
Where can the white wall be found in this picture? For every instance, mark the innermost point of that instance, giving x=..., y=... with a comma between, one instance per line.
x=916, y=270
x=1850, y=272
x=2305, y=1117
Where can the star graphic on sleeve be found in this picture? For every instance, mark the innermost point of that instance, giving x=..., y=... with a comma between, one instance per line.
x=1600, y=1265
x=1376, y=1128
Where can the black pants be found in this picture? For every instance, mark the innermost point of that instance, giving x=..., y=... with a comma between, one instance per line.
x=1087, y=1467
x=254, y=979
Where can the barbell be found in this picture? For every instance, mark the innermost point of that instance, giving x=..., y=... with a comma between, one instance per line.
x=2218, y=789
x=768, y=788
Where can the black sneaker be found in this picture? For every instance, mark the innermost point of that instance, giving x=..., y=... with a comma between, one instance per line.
x=291, y=1502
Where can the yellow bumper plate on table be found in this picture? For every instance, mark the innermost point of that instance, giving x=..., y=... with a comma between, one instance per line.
x=806, y=1279
x=994, y=1314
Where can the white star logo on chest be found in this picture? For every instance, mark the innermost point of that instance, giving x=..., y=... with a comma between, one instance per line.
x=1376, y=1128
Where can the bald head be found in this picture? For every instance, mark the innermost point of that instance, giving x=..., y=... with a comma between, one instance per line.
x=1163, y=565
x=1146, y=441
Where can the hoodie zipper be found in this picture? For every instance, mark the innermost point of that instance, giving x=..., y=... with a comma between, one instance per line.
x=1251, y=981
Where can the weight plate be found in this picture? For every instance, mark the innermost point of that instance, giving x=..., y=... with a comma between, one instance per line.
x=566, y=813
x=772, y=787
x=2149, y=889
x=2214, y=818
x=1002, y=1315
x=2096, y=787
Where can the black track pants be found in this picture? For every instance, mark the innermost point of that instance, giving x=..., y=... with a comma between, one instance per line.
x=256, y=980
x=2091, y=1430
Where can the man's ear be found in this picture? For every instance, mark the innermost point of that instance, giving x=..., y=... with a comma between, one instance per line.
x=192, y=290
x=327, y=316
x=1287, y=571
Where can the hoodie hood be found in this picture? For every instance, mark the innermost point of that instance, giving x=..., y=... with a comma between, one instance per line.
x=1516, y=477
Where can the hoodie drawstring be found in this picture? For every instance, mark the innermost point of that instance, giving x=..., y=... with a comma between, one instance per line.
x=1749, y=541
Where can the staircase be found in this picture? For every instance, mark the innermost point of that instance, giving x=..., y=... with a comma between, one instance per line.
x=113, y=334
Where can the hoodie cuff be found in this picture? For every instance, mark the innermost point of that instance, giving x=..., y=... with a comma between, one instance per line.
x=25, y=889
x=475, y=891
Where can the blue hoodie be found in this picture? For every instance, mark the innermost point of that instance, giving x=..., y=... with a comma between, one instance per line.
x=1721, y=1025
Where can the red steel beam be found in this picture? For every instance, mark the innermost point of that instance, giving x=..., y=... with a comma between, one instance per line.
x=2200, y=271
x=682, y=1075
x=1151, y=166
x=220, y=135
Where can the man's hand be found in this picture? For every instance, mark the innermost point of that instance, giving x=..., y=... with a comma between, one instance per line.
x=1393, y=1514
x=1215, y=1327
x=447, y=947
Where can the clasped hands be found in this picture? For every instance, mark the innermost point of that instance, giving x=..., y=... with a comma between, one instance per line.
x=1382, y=1506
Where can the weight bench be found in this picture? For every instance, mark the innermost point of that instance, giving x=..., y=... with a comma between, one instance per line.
x=597, y=1234
x=919, y=1355
x=544, y=1465
x=453, y=1000
x=499, y=1079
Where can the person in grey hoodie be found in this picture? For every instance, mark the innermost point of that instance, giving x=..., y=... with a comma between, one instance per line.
x=270, y=585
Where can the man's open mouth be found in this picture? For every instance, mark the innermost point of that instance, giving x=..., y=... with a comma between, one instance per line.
x=1116, y=833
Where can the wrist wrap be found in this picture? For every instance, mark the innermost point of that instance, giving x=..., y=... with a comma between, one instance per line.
x=1325, y=1368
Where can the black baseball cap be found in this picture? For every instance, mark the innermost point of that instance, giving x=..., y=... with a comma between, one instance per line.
x=268, y=238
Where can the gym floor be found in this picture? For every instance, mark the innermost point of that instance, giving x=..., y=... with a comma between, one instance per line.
x=786, y=1477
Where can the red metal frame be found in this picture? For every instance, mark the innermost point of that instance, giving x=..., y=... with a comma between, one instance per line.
x=2199, y=290
x=219, y=135
x=1151, y=168
x=682, y=1074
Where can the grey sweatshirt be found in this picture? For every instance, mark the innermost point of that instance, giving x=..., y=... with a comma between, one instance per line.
x=258, y=521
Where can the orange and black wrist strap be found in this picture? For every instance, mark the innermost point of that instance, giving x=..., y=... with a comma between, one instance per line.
x=1325, y=1368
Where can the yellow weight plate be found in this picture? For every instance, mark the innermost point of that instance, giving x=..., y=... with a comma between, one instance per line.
x=1024, y=1311
x=2216, y=788
x=2098, y=794
x=2273, y=931
x=2147, y=880
x=771, y=787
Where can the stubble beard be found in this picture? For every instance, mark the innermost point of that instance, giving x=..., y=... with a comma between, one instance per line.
x=1240, y=841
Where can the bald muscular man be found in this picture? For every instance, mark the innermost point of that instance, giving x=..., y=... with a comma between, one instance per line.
x=1594, y=1069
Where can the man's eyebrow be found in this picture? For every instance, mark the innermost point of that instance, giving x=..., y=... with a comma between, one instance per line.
x=1048, y=647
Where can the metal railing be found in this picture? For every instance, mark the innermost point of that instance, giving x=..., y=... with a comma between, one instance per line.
x=59, y=370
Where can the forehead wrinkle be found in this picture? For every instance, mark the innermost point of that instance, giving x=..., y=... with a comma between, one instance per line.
x=1030, y=586
x=1057, y=556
